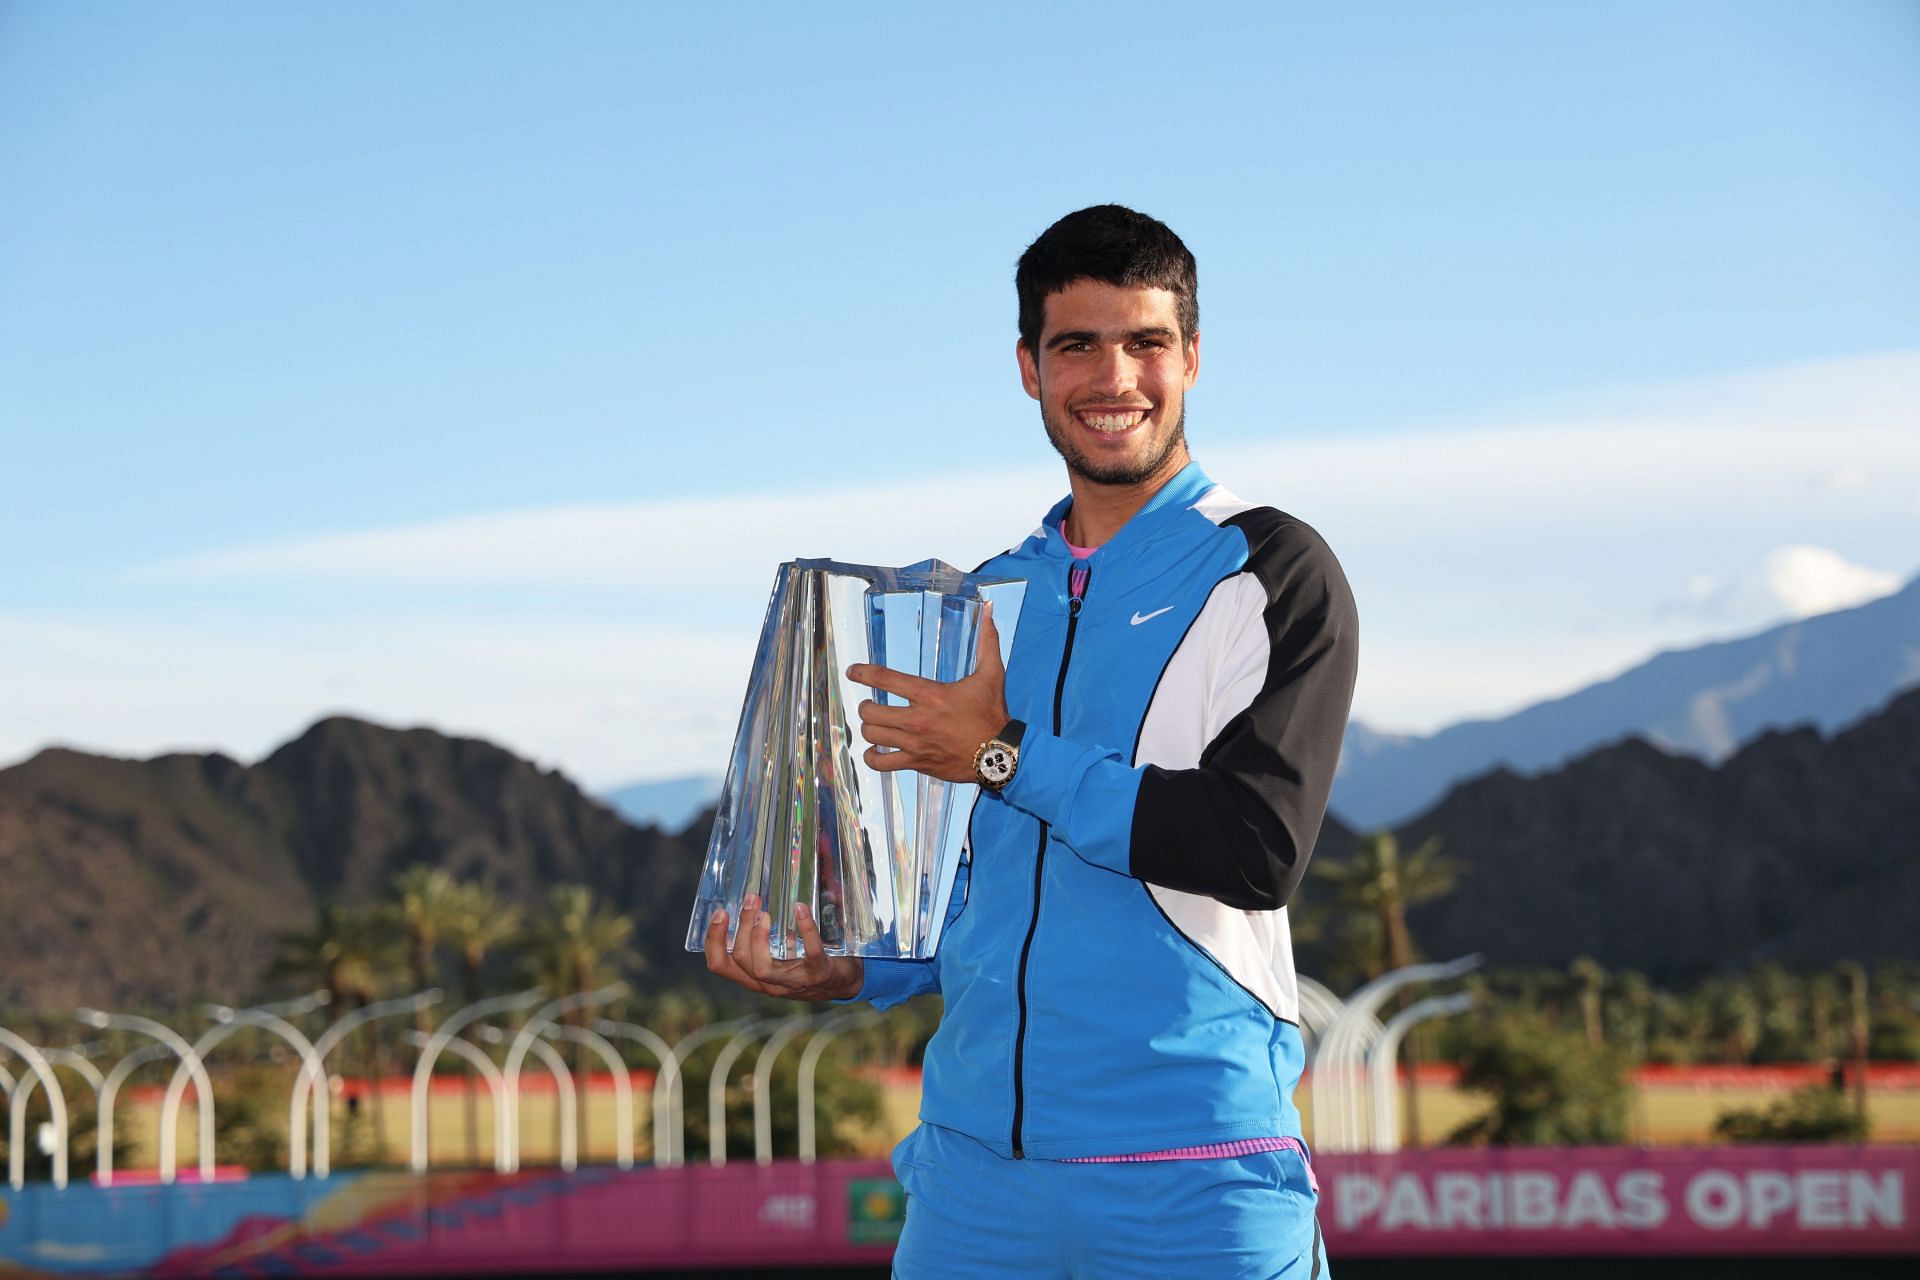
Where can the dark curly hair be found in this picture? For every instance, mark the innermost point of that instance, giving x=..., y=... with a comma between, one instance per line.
x=1114, y=245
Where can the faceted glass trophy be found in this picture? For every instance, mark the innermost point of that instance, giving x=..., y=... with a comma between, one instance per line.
x=802, y=817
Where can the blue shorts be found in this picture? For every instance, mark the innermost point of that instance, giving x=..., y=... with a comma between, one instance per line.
x=973, y=1213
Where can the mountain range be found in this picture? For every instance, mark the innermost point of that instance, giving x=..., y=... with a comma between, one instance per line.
x=1826, y=671
x=670, y=803
x=167, y=881
x=1800, y=849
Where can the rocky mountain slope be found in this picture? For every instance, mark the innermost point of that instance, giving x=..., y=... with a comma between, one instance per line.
x=1799, y=849
x=167, y=880
x=1706, y=702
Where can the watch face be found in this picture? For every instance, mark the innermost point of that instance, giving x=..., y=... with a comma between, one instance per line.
x=996, y=764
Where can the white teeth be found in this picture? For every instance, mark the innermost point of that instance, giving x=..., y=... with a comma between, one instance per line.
x=1112, y=421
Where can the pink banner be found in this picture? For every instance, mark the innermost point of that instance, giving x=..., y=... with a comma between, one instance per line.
x=1726, y=1201
x=1810, y=1202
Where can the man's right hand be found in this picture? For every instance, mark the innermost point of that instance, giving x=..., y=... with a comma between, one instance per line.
x=815, y=976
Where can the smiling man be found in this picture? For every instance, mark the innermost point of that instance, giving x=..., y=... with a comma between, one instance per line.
x=1117, y=373
x=1110, y=1092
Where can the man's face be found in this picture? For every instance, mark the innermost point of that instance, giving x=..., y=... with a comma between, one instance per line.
x=1111, y=377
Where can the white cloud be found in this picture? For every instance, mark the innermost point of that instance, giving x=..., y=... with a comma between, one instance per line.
x=711, y=544
x=1493, y=567
x=1790, y=582
x=1810, y=580
x=1840, y=481
x=1693, y=451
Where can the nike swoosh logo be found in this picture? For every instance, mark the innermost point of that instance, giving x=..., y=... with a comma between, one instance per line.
x=1139, y=618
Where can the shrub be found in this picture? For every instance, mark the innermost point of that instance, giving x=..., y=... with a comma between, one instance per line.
x=1548, y=1086
x=1817, y=1113
x=1896, y=1036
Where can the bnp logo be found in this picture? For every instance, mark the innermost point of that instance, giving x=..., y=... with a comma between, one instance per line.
x=876, y=1210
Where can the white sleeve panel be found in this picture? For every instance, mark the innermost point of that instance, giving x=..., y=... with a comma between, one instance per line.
x=1253, y=947
x=1219, y=506
x=1214, y=675
x=1211, y=678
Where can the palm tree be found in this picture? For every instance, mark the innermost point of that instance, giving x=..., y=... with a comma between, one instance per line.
x=424, y=900
x=1783, y=1023
x=579, y=946
x=1633, y=1010
x=1733, y=1011
x=1591, y=979
x=1377, y=885
x=1372, y=891
x=349, y=951
x=476, y=922
x=339, y=952
x=1820, y=997
x=1860, y=1031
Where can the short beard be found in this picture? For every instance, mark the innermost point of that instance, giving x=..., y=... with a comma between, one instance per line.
x=1061, y=437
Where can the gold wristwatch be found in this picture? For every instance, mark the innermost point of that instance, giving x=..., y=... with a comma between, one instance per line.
x=999, y=756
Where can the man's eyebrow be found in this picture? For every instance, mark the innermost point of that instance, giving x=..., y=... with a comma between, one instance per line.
x=1069, y=336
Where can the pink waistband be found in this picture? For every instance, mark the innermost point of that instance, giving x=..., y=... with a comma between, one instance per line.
x=1212, y=1151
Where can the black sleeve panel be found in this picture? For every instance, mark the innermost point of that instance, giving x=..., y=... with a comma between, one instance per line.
x=1240, y=827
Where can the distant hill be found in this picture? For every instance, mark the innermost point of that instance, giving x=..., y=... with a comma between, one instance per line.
x=1825, y=671
x=1799, y=849
x=165, y=881
x=668, y=803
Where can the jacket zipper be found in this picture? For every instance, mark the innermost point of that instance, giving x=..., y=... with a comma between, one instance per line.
x=1074, y=598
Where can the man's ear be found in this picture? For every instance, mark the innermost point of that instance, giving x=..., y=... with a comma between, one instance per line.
x=1029, y=368
x=1193, y=359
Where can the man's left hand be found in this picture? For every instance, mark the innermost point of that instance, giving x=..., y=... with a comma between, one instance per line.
x=942, y=726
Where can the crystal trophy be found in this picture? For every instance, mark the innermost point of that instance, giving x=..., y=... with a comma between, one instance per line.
x=802, y=816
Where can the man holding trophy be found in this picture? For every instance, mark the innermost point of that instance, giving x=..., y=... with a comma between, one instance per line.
x=1110, y=1091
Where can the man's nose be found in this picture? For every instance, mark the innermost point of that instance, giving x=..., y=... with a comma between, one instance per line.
x=1114, y=375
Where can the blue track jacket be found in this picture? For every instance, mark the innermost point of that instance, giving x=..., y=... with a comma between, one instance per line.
x=1117, y=970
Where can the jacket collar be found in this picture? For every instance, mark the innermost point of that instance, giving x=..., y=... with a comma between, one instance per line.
x=1187, y=487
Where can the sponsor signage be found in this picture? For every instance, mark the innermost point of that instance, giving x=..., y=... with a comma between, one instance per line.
x=1725, y=1201
x=1810, y=1202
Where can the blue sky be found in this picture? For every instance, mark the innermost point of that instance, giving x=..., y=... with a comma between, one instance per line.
x=474, y=364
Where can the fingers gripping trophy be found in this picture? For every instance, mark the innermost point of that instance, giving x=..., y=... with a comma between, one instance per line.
x=824, y=853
